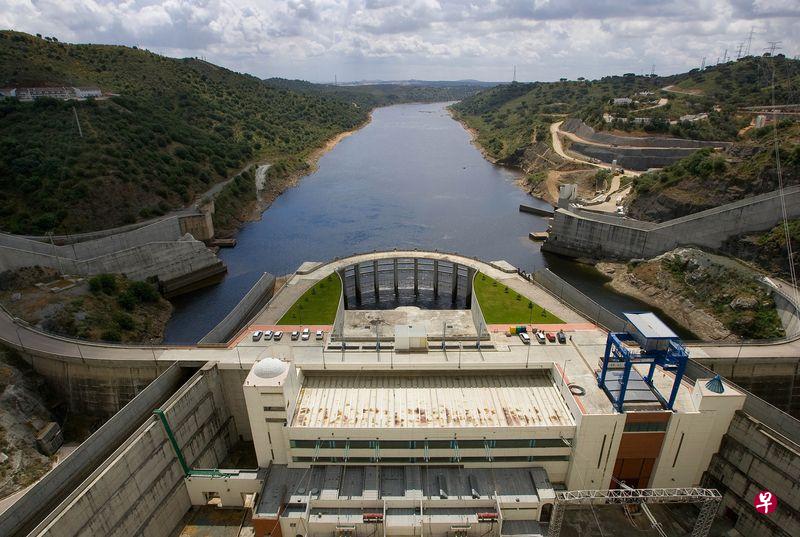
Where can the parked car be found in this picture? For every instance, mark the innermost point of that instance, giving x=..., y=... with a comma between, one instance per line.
x=540, y=338
x=304, y=336
x=551, y=337
x=305, y=332
x=277, y=336
x=319, y=335
x=562, y=337
x=295, y=335
x=526, y=339
x=267, y=335
x=257, y=335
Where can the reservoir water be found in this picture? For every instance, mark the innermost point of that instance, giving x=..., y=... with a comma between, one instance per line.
x=410, y=179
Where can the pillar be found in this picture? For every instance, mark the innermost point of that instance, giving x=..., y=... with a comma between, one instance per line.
x=470, y=277
x=357, y=270
x=396, y=290
x=454, y=282
x=375, y=282
x=416, y=276
x=344, y=287
x=435, y=277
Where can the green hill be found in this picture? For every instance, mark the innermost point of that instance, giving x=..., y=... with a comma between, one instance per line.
x=175, y=128
x=507, y=117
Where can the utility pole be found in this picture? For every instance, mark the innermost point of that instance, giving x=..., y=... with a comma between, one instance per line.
x=514, y=78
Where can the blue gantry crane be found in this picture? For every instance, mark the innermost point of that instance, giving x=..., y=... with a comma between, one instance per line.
x=646, y=340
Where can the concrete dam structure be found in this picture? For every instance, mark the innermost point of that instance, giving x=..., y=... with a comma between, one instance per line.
x=169, y=250
x=581, y=233
x=631, y=152
x=362, y=429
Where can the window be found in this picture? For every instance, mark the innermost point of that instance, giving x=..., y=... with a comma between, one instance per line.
x=273, y=409
x=645, y=426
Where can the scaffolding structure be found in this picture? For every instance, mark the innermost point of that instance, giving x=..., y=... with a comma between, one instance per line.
x=708, y=499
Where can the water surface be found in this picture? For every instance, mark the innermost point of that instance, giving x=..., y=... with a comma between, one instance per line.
x=410, y=179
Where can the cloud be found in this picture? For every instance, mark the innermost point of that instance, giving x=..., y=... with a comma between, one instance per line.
x=433, y=39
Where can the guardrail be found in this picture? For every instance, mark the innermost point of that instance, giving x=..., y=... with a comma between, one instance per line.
x=768, y=414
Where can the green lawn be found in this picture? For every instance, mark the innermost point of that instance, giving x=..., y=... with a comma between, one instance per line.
x=317, y=305
x=502, y=305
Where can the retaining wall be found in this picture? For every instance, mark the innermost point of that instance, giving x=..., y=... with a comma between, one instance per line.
x=751, y=458
x=633, y=158
x=582, y=130
x=248, y=306
x=48, y=492
x=163, y=260
x=578, y=233
x=139, y=489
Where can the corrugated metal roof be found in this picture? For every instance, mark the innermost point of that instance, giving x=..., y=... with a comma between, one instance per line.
x=391, y=401
x=650, y=326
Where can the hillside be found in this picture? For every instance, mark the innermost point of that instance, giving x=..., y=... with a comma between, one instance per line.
x=508, y=117
x=174, y=129
x=708, y=179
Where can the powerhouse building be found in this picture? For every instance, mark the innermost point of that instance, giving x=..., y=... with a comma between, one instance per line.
x=446, y=450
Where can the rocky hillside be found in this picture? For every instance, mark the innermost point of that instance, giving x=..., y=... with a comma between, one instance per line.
x=714, y=297
x=767, y=250
x=711, y=178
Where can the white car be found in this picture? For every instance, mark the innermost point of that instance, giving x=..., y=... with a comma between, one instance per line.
x=540, y=338
x=267, y=335
x=304, y=336
x=295, y=335
x=319, y=335
x=257, y=335
x=305, y=331
x=277, y=335
x=526, y=339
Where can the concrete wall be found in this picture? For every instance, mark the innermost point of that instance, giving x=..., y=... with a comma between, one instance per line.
x=578, y=233
x=161, y=249
x=140, y=489
x=584, y=131
x=95, y=388
x=633, y=158
x=246, y=309
x=47, y=493
x=164, y=260
x=752, y=458
x=190, y=220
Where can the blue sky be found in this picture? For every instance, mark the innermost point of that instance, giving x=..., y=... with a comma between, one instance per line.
x=424, y=39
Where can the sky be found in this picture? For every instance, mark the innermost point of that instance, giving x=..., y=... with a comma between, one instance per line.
x=352, y=40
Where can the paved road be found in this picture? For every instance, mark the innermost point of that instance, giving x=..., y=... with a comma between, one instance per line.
x=19, y=335
x=555, y=132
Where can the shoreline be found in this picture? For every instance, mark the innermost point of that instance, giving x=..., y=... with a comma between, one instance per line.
x=269, y=195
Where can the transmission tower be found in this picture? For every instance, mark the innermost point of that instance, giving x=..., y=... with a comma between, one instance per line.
x=773, y=46
x=514, y=78
x=653, y=71
x=749, y=42
x=739, y=50
x=725, y=56
x=703, y=63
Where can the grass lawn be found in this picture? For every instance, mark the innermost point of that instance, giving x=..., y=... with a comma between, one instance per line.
x=502, y=305
x=317, y=305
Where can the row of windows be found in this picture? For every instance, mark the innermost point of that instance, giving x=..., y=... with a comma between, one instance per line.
x=432, y=460
x=645, y=426
x=274, y=409
x=431, y=444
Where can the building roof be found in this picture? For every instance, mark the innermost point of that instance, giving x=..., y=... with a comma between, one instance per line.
x=410, y=330
x=431, y=401
x=650, y=326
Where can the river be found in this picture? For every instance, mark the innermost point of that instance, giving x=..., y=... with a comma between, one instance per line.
x=409, y=179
